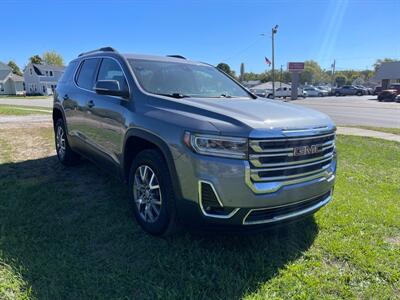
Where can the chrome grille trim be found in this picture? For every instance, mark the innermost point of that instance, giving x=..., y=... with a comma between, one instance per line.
x=273, y=163
x=255, y=144
x=257, y=162
x=254, y=175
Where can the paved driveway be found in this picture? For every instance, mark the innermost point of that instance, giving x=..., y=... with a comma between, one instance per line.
x=355, y=110
x=28, y=102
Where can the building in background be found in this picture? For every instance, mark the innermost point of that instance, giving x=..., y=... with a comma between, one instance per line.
x=388, y=72
x=10, y=84
x=41, y=79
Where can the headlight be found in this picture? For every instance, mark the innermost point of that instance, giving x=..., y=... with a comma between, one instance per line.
x=216, y=145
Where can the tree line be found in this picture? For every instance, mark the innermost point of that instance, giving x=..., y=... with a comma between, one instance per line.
x=312, y=74
x=48, y=57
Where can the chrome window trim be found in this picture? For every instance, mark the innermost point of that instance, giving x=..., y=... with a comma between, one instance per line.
x=288, y=215
x=230, y=215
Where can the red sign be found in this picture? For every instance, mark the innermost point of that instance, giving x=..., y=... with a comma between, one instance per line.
x=295, y=66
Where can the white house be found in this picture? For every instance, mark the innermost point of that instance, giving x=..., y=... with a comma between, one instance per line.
x=41, y=79
x=10, y=84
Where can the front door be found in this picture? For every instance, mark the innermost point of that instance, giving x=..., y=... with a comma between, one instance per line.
x=109, y=112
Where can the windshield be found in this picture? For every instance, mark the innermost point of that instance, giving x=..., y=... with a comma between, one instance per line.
x=186, y=80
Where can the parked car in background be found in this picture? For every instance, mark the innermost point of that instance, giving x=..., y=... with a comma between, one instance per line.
x=366, y=90
x=390, y=94
x=349, y=90
x=315, y=92
x=397, y=99
x=377, y=90
x=285, y=92
x=325, y=88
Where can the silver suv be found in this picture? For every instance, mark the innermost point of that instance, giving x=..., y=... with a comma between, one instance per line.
x=195, y=147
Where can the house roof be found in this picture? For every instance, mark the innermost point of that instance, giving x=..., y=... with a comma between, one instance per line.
x=46, y=67
x=4, y=71
x=388, y=70
x=15, y=77
x=3, y=66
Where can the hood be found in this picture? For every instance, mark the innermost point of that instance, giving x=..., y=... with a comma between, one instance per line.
x=260, y=115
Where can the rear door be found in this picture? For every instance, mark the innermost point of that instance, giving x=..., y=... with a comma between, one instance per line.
x=82, y=124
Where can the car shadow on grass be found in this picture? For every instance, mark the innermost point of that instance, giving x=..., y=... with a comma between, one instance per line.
x=70, y=234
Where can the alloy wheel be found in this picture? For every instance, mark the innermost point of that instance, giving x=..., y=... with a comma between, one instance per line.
x=60, y=142
x=147, y=194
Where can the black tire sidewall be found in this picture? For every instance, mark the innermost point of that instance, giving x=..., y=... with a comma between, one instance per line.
x=155, y=161
x=70, y=157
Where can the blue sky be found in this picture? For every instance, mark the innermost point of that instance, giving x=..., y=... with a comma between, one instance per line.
x=356, y=33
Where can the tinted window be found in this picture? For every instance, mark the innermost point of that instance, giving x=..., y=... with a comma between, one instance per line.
x=86, y=74
x=197, y=80
x=69, y=72
x=110, y=70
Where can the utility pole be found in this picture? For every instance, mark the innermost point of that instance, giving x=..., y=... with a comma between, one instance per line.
x=274, y=31
x=333, y=71
x=280, y=81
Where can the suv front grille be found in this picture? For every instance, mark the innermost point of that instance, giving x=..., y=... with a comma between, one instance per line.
x=281, y=159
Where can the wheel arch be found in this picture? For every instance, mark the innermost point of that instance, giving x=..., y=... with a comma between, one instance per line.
x=57, y=114
x=137, y=140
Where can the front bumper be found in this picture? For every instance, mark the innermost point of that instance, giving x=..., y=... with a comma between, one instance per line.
x=246, y=201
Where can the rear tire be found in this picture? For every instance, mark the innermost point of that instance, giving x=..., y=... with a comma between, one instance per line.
x=359, y=94
x=151, y=194
x=337, y=94
x=64, y=152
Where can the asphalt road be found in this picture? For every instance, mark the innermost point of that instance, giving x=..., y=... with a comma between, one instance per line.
x=356, y=110
x=349, y=110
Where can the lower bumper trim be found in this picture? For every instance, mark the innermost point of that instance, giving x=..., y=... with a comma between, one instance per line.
x=289, y=215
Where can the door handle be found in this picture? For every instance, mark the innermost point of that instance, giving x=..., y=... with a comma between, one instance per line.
x=90, y=103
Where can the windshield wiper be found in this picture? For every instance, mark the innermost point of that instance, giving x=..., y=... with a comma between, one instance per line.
x=174, y=95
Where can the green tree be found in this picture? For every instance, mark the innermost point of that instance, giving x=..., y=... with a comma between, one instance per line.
x=379, y=62
x=226, y=68
x=340, y=80
x=241, y=78
x=53, y=58
x=313, y=73
x=15, y=69
x=36, y=59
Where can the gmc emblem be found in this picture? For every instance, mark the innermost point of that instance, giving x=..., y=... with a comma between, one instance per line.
x=307, y=150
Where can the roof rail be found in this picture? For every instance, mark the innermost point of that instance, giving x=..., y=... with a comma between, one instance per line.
x=103, y=49
x=177, y=56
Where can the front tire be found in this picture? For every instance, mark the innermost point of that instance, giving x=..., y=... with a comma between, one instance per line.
x=151, y=194
x=64, y=152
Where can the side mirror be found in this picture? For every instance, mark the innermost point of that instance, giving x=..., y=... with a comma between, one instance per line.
x=111, y=88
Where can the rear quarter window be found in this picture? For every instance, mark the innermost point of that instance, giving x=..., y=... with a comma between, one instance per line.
x=85, y=78
x=69, y=72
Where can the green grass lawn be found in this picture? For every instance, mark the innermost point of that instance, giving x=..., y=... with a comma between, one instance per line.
x=383, y=129
x=67, y=233
x=9, y=110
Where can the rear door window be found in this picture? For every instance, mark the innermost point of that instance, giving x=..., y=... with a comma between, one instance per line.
x=87, y=73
